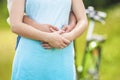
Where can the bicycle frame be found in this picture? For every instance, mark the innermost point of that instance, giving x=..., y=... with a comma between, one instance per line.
x=92, y=55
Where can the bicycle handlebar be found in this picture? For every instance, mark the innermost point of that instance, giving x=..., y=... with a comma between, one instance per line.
x=96, y=15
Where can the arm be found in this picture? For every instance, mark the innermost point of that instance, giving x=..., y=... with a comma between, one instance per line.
x=41, y=27
x=79, y=11
x=46, y=28
x=66, y=28
x=73, y=20
x=72, y=23
x=18, y=27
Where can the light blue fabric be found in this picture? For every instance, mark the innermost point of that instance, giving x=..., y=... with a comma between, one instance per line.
x=32, y=61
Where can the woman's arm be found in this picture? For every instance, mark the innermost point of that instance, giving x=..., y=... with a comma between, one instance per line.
x=16, y=11
x=79, y=11
x=31, y=22
x=16, y=21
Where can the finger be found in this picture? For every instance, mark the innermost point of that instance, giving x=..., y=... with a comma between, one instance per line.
x=64, y=45
x=44, y=43
x=66, y=41
x=68, y=30
x=55, y=28
x=47, y=47
x=64, y=28
x=52, y=30
x=61, y=32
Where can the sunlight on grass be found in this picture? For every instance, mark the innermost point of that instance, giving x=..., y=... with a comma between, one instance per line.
x=7, y=44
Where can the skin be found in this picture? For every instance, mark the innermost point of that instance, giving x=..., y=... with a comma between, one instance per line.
x=46, y=28
x=50, y=28
x=55, y=39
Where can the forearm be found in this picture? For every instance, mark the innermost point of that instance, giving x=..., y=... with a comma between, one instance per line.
x=79, y=11
x=78, y=30
x=72, y=20
x=72, y=23
x=28, y=31
x=34, y=24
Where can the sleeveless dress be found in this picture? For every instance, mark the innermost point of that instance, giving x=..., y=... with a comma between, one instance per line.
x=31, y=60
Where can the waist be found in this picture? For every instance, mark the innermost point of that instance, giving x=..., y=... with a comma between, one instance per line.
x=27, y=44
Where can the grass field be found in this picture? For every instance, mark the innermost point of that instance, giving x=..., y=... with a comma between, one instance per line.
x=110, y=64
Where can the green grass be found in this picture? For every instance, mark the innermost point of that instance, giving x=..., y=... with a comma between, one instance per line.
x=7, y=44
x=110, y=64
x=109, y=69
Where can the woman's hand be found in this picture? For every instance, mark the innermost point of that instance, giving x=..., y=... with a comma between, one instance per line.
x=67, y=36
x=64, y=33
x=56, y=40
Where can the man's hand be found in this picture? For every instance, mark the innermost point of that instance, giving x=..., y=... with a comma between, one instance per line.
x=68, y=28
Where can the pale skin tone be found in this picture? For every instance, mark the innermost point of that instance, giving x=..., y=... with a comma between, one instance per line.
x=50, y=28
x=55, y=39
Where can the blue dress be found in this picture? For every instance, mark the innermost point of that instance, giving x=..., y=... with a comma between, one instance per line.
x=32, y=61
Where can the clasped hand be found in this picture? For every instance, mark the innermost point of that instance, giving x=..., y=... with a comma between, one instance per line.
x=57, y=38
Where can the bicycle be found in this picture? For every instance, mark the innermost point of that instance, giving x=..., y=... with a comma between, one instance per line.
x=89, y=68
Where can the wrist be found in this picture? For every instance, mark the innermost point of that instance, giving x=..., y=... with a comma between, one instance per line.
x=47, y=37
x=71, y=36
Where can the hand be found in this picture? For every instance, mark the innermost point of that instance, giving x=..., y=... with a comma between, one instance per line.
x=46, y=45
x=67, y=36
x=56, y=40
x=68, y=28
x=47, y=28
x=62, y=32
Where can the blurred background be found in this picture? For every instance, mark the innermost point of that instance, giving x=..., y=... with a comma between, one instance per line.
x=109, y=69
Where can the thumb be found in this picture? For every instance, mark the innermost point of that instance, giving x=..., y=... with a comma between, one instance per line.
x=55, y=28
x=60, y=31
x=69, y=28
x=64, y=28
x=52, y=30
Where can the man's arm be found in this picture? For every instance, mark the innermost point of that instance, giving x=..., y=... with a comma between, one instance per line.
x=41, y=27
x=72, y=23
x=46, y=28
x=66, y=28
